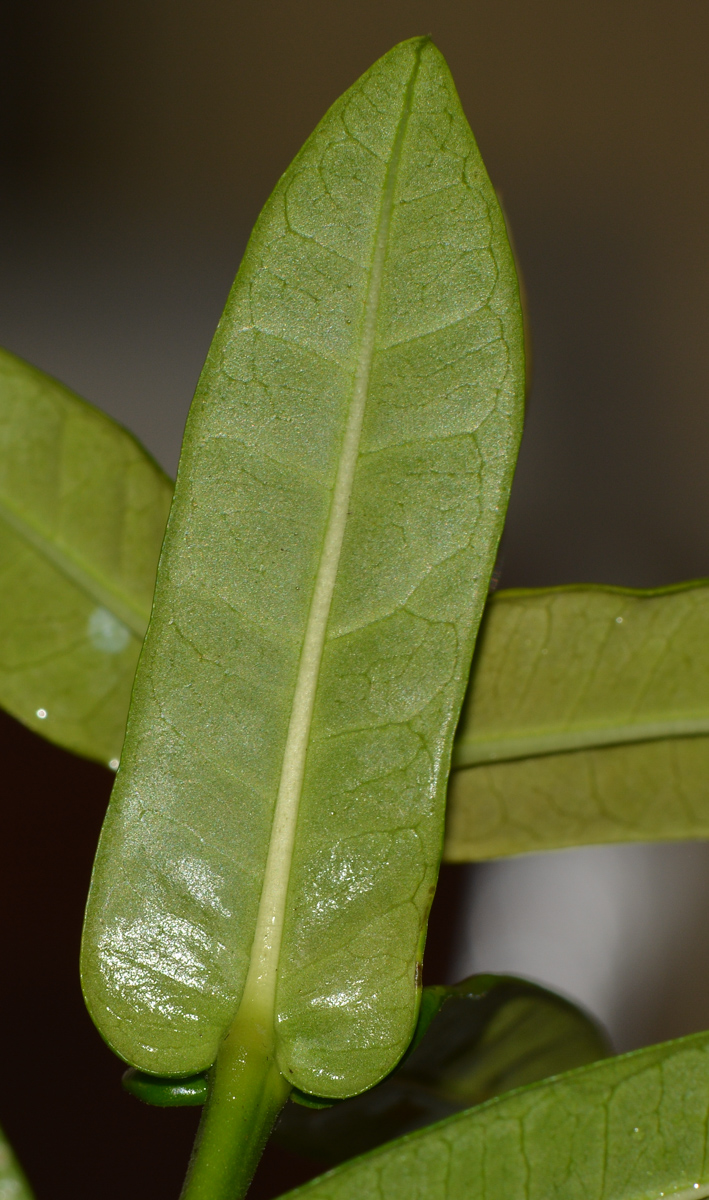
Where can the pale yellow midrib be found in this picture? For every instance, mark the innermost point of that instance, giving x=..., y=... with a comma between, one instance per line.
x=260, y=990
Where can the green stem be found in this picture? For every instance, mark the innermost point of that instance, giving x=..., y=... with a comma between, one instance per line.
x=247, y=1092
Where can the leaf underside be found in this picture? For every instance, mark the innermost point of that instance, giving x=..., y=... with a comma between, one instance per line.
x=13, y=1185
x=82, y=516
x=341, y=492
x=587, y=720
x=490, y=1034
x=474, y=1040
x=627, y=1128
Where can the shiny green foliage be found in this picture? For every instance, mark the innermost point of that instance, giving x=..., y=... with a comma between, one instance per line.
x=340, y=496
x=82, y=516
x=188, y=1092
x=586, y=721
x=473, y=1040
x=628, y=1128
x=485, y=1036
x=13, y=1185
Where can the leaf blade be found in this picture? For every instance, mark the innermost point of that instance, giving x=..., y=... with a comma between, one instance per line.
x=629, y=1127
x=585, y=722
x=258, y=487
x=13, y=1184
x=82, y=515
x=489, y=1034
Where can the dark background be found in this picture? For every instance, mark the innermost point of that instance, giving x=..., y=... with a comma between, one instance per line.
x=138, y=141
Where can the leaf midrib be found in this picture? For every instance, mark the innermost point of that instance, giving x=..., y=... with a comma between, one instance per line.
x=77, y=571
x=475, y=752
x=260, y=990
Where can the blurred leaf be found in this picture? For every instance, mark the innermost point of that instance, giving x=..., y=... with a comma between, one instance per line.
x=484, y=1036
x=13, y=1185
x=629, y=1128
x=82, y=515
x=279, y=811
x=586, y=721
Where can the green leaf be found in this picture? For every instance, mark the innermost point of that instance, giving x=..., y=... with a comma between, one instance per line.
x=278, y=813
x=485, y=1036
x=13, y=1185
x=586, y=721
x=628, y=1128
x=166, y=1093
x=82, y=516
x=497, y=1032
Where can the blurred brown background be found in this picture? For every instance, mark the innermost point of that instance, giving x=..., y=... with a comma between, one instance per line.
x=138, y=141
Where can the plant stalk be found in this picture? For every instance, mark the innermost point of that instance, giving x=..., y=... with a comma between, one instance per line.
x=246, y=1094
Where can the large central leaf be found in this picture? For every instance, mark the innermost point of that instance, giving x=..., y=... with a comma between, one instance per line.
x=278, y=814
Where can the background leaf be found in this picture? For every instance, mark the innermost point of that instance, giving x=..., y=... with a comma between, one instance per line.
x=341, y=491
x=82, y=515
x=586, y=721
x=13, y=1185
x=629, y=1128
x=487, y=1035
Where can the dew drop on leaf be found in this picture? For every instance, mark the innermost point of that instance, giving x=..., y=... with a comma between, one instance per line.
x=106, y=632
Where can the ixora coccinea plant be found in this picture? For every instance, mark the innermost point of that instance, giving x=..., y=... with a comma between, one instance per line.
x=258, y=908
x=261, y=889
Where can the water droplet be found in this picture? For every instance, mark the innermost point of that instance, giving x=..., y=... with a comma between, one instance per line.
x=106, y=632
x=619, y=620
x=41, y=713
x=114, y=763
x=696, y=1185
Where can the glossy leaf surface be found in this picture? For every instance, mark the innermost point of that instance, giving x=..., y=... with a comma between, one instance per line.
x=340, y=496
x=13, y=1185
x=189, y=1092
x=473, y=1040
x=586, y=721
x=628, y=1128
x=487, y=1035
x=82, y=516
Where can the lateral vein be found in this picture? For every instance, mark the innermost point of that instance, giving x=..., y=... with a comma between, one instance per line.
x=260, y=989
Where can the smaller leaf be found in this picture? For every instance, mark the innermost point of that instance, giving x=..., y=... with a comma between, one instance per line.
x=166, y=1093
x=586, y=721
x=342, y=487
x=631, y=1128
x=13, y=1185
x=484, y=1036
x=82, y=515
